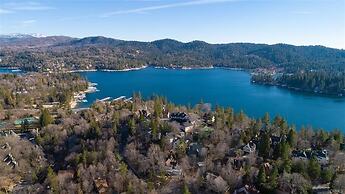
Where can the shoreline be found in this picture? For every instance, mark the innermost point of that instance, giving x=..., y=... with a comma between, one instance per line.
x=299, y=90
x=79, y=97
x=160, y=67
x=139, y=68
x=127, y=69
x=81, y=70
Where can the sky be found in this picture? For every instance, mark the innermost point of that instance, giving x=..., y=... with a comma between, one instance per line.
x=298, y=22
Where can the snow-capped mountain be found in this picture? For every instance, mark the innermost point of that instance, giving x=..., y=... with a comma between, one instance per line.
x=18, y=35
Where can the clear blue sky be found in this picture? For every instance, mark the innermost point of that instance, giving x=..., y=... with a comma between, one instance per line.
x=299, y=22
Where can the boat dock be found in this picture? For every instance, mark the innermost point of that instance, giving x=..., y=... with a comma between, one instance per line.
x=119, y=98
x=104, y=99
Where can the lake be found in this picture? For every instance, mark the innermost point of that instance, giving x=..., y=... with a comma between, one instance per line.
x=222, y=87
x=6, y=70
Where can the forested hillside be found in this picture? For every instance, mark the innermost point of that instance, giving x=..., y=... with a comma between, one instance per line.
x=285, y=64
x=101, y=52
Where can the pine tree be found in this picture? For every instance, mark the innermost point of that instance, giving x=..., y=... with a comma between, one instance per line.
x=264, y=146
x=230, y=118
x=241, y=116
x=285, y=151
x=326, y=175
x=52, y=180
x=158, y=107
x=261, y=176
x=273, y=178
x=45, y=118
x=292, y=137
x=132, y=125
x=185, y=189
x=266, y=119
x=314, y=169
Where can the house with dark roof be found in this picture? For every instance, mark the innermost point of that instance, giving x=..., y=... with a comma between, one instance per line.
x=194, y=149
x=180, y=117
x=322, y=189
x=247, y=190
x=275, y=140
x=320, y=155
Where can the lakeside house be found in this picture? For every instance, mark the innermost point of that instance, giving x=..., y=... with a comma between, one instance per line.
x=180, y=117
x=304, y=155
x=186, y=122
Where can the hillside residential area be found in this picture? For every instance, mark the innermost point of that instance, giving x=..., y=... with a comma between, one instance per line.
x=134, y=145
x=172, y=97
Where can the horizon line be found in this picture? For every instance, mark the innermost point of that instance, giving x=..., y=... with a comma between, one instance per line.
x=167, y=38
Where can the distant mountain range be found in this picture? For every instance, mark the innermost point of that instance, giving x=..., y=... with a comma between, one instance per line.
x=34, y=52
x=31, y=40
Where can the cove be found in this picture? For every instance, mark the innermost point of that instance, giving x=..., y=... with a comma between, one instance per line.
x=222, y=87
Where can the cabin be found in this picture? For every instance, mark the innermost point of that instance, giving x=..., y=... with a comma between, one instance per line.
x=300, y=155
x=247, y=190
x=174, y=139
x=7, y=133
x=29, y=121
x=194, y=149
x=201, y=164
x=322, y=189
x=322, y=156
x=180, y=117
x=209, y=118
x=144, y=113
x=171, y=166
x=187, y=127
x=51, y=105
x=275, y=140
x=304, y=155
x=249, y=148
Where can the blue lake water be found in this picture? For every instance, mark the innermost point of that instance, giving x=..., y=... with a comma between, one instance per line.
x=6, y=70
x=222, y=87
